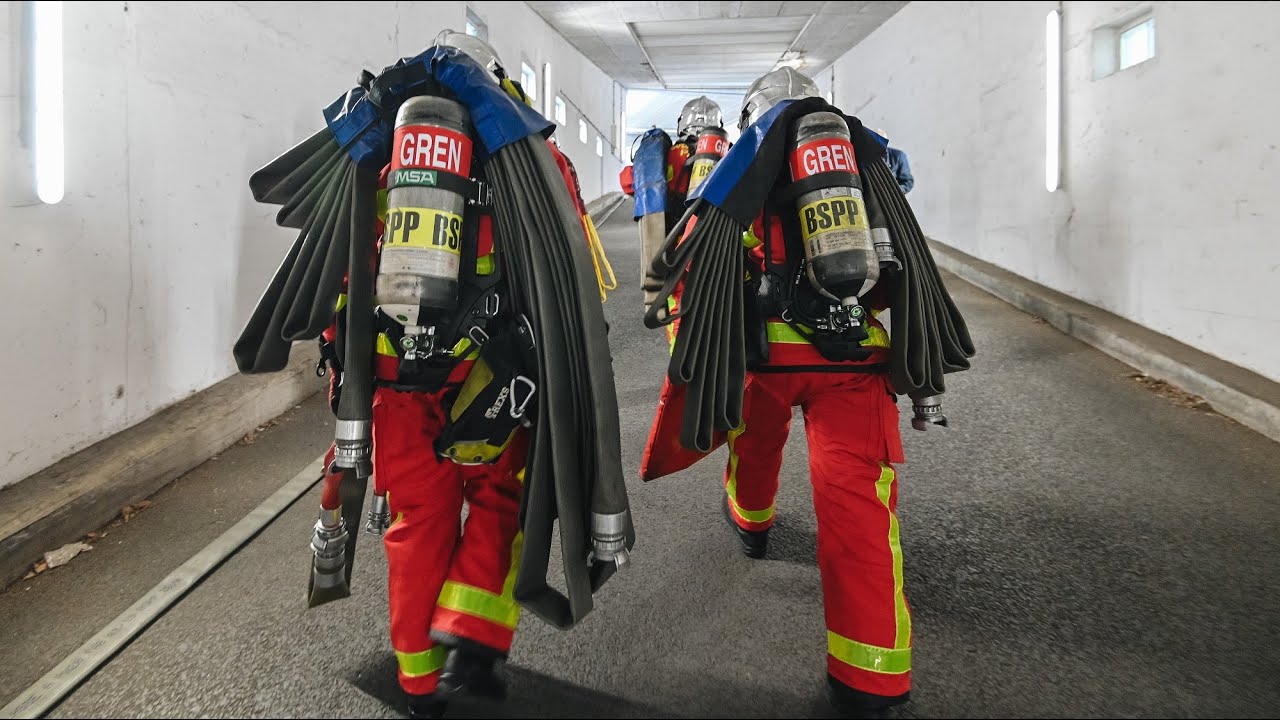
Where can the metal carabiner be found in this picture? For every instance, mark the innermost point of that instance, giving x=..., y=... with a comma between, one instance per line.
x=517, y=409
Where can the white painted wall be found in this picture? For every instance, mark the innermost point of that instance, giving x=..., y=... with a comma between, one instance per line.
x=127, y=296
x=1171, y=175
x=518, y=33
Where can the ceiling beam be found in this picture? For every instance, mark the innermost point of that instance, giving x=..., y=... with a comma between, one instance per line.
x=632, y=29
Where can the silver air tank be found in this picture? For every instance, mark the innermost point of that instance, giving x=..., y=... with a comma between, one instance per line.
x=421, y=247
x=841, y=257
x=712, y=144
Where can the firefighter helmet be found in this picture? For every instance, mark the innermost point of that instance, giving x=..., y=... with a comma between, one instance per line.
x=785, y=83
x=697, y=114
x=477, y=49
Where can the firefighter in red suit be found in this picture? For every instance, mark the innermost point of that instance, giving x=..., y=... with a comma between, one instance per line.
x=450, y=585
x=851, y=420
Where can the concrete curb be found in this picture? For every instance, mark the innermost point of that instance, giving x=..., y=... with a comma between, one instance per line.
x=1240, y=394
x=601, y=209
x=83, y=492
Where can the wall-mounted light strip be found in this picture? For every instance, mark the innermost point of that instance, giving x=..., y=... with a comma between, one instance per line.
x=1053, y=98
x=548, y=97
x=46, y=45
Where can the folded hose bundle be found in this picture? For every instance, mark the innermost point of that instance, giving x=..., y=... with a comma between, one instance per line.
x=699, y=271
x=299, y=301
x=930, y=337
x=709, y=356
x=574, y=471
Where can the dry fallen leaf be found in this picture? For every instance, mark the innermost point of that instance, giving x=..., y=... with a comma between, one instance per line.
x=145, y=504
x=1177, y=395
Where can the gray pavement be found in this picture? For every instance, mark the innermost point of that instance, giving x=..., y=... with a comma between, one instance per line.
x=1076, y=546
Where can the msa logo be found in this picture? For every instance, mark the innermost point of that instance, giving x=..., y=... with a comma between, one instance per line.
x=421, y=178
x=494, y=409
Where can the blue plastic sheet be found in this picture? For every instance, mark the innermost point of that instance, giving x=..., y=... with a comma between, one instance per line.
x=650, y=173
x=358, y=126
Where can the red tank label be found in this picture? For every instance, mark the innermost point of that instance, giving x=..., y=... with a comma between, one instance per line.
x=820, y=156
x=427, y=147
x=711, y=143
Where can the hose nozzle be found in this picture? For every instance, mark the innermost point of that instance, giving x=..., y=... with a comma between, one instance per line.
x=927, y=411
x=609, y=539
x=329, y=559
x=379, y=516
x=351, y=446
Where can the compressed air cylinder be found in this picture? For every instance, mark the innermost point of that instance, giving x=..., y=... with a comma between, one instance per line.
x=841, y=257
x=421, y=247
x=712, y=144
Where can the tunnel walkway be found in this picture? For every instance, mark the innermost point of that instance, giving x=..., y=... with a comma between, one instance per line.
x=1075, y=545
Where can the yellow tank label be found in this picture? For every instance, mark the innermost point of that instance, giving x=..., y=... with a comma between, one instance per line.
x=830, y=214
x=701, y=169
x=426, y=228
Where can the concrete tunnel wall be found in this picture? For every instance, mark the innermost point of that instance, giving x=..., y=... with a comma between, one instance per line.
x=1170, y=190
x=127, y=296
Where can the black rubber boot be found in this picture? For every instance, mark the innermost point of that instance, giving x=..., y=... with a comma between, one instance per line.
x=852, y=703
x=755, y=543
x=426, y=706
x=470, y=673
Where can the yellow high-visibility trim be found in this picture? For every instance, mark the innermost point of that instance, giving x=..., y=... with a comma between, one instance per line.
x=780, y=332
x=868, y=657
x=484, y=265
x=480, y=603
x=385, y=346
x=517, y=552
x=749, y=239
x=902, y=617
x=421, y=663
x=731, y=486
x=342, y=302
x=477, y=380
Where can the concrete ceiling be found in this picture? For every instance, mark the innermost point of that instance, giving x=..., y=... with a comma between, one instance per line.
x=711, y=46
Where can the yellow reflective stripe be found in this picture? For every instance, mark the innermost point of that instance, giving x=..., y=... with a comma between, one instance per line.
x=477, y=380
x=731, y=487
x=421, y=663
x=868, y=657
x=902, y=617
x=671, y=327
x=780, y=332
x=484, y=265
x=385, y=346
x=382, y=205
x=461, y=347
x=342, y=302
x=876, y=337
x=517, y=552
x=749, y=239
x=479, y=603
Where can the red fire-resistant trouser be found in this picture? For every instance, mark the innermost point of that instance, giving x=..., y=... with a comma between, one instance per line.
x=852, y=426
x=446, y=581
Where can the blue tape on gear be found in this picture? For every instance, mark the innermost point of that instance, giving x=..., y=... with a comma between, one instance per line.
x=499, y=119
x=649, y=174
